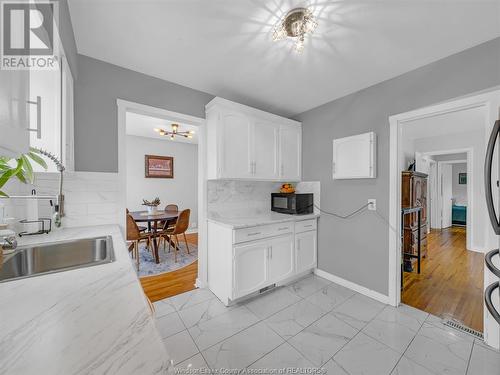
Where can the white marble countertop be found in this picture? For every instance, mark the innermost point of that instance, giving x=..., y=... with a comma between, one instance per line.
x=256, y=219
x=92, y=320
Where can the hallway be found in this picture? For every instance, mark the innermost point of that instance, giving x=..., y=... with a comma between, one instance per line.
x=451, y=280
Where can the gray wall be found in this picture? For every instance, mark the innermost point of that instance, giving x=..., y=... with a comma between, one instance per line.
x=98, y=86
x=357, y=249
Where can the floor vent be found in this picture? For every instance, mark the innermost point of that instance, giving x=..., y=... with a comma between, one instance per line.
x=267, y=288
x=462, y=328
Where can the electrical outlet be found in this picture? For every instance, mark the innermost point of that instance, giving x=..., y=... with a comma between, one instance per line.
x=372, y=204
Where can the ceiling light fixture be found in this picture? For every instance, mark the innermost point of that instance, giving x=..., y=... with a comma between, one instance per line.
x=175, y=132
x=297, y=23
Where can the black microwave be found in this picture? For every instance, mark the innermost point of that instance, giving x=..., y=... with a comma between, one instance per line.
x=291, y=203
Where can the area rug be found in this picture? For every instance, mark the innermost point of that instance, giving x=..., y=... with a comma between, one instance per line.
x=148, y=267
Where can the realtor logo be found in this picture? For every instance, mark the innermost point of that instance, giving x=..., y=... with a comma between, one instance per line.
x=27, y=40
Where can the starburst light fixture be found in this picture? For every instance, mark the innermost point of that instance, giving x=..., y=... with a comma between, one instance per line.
x=296, y=24
x=175, y=132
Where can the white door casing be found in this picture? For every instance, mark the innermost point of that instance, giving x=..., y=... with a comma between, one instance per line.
x=446, y=194
x=489, y=102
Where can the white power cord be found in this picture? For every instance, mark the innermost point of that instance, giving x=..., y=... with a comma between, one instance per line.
x=359, y=211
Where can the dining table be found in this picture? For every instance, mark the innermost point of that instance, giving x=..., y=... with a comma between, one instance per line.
x=153, y=220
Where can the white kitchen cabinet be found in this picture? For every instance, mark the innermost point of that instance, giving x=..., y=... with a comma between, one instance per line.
x=290, y=146
x=250, y=268
x=14, y=112
x=281, y=262
x=305, y=250
x=235, y=145
x=244, y=261
x=246, y=143
x=355, y=157
x=265, y=149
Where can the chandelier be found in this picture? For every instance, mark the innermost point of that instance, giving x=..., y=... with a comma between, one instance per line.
x=175, y=132
x=297, y=23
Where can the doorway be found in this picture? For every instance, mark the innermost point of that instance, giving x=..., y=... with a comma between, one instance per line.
x=450, y=283
x=163, y=271
x=483, y=238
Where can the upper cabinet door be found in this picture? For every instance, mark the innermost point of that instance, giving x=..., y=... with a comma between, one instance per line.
x=235, y=145
x=14, y=112
x=290, y=146
x=265, y=150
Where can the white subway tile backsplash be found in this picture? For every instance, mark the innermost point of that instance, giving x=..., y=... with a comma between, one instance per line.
x=90, y=198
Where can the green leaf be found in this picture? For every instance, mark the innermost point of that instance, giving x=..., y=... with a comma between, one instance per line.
x=2, y=194
x=6, y=176
x=28, y=169
x=21, y=177
x=37, y=159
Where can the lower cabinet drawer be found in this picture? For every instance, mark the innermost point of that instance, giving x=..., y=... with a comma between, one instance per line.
x=305, y=225
x=263, y=231
x=250, y=234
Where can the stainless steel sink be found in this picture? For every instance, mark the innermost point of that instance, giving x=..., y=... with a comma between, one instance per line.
x=56, y=257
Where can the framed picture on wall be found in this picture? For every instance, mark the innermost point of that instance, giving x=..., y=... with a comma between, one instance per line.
x=159, y=166
x=462, y=178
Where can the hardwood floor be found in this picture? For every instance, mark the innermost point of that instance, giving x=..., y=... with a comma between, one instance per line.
x=172, y=283
x=451, y=280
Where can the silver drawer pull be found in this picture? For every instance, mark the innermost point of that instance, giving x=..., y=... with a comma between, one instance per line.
x=308, y=226
x=254, y=234
x=284, y=228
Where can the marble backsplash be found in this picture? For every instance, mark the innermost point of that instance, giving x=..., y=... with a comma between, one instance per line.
x=246, y=198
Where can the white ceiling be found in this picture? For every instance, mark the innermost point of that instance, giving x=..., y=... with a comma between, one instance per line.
x=143, y=126
x=224, y=47
x=451, y=123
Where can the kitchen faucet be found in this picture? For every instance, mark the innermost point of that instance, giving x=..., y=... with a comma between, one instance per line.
x=59, y=207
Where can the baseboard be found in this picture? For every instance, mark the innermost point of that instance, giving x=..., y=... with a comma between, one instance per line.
x=353, y=286
x=200, y=284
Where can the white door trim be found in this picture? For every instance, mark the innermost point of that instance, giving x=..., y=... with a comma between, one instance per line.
x=470, y=232
x=125, y=106
x=489, y=101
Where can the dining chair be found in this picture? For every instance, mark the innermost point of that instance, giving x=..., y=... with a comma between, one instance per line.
x=135, y=236
x=168, y=207
x=141, y=228
x=181, y=226
x=172, y=207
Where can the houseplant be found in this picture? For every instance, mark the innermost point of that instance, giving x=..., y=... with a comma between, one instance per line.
x=20, y=168
x=151, y=206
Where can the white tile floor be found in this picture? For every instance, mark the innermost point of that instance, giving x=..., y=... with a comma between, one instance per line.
x=314, y=323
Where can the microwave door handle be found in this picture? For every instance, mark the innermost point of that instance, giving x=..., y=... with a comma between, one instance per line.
x=487, y=177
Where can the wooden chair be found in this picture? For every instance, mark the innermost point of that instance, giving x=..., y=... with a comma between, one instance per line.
x=172, y=207
x=181, y=226
x=135, y=236
x=168, y=207
x=141, y=228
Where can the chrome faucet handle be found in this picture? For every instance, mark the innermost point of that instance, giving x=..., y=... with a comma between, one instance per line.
x=8, y=243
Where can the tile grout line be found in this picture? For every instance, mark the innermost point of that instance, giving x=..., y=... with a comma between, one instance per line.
x=352, y=338
x=286, y=340
x=470, y=356
x=263, y=321
x=407, y=346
